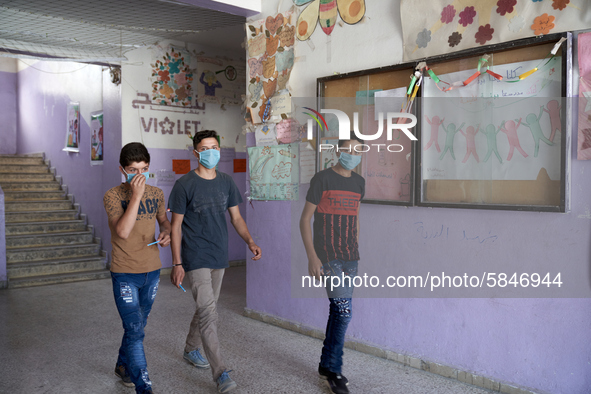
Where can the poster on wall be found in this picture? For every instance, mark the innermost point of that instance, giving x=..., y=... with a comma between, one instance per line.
x=271, y=58
x=96, y=138
x=274, y=172
x=221, y=80
x=73, y=128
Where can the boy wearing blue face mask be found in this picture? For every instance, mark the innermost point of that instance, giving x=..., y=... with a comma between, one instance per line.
x=199, y=201
x=133, y=209
x=333, y=200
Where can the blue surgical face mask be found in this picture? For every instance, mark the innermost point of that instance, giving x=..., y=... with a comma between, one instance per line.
x=349, y=161
x=130, y=176
x=209, y=158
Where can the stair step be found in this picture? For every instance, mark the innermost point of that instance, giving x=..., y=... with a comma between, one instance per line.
x=26, y=178
x=41, y=216
x=34, y=195
x=45, y=227
x=21, y=159
x=56, y=239
x=59, y=278
x=51, y=253
x=52, y=267
x=34, y=186
x=27, y=206
x=23, y=168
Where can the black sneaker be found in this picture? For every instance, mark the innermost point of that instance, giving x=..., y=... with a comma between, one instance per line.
x=122, y=373
x=336, y=383
x=323, y=372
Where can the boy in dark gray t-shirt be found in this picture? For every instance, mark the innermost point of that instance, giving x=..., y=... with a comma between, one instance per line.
x=199, y=201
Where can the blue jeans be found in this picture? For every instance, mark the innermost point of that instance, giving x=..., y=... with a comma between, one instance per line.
x=134, y=296
x=340, y=313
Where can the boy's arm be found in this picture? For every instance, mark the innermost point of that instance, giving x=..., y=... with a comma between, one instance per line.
x=164, y=225
x=314, y=264
x=242, y=230
x=124, y=224
x=178, y=273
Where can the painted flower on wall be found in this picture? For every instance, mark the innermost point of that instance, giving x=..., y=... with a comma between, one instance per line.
x=505, y=6
x=516, y=24
x=454, y=39
x=164, y=75
x=484, y=34
x=423, y=38
x=543, y=24
x=171, y=77
x=448, y=14
x=560, y=4
x=467, y=16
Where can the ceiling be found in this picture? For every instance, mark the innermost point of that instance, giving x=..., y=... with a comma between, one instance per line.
x=104, y=30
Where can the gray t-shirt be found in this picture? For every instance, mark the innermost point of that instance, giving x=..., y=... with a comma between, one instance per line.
x=204, y=203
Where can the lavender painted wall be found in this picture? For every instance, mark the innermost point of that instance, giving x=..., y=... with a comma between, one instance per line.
x=42, y=101
x=3, y=276
x=8, y=111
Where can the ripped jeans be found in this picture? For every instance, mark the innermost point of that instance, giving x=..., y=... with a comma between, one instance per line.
x=339, y=314
x=134, y=296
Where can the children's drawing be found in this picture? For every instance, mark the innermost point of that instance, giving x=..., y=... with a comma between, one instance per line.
x=470, y=143
x=221, y=80
x=554, y=112
x=435, y=123
x=73, y=128
x=510, y=129
x=533, y=122
x=274, y=172
x=450, y=133
x=325, y=12
x=491, y=140
x=271, y=53
x=96, y=142
x=209, y=80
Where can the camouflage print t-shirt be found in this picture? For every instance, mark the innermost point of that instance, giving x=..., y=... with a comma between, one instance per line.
x=132, y=255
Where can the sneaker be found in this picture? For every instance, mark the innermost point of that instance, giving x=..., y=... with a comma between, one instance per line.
x=336, y=383
x=323, y=372
x=225, y=382
x=122, y=373
x=196, y=359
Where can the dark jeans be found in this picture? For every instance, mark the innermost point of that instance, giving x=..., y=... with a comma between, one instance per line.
x=134, y=296
x=339, y=314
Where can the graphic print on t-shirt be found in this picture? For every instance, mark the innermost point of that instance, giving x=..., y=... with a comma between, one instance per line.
x=339, y=202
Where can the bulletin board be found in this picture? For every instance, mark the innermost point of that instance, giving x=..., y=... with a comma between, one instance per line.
x=389, y=174
x=510, y=136
x=523, y=164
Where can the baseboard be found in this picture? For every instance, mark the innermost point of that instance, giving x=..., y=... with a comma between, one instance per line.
x=429, y=366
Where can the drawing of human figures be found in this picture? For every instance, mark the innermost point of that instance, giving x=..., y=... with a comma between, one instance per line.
x=450, y=133
x=510, y=129
x=554, y=112
x=533, y=123
x=491, y=139
x=435, y=123
x=470, y=143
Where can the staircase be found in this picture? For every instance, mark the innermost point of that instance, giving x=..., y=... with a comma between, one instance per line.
x=47, y=239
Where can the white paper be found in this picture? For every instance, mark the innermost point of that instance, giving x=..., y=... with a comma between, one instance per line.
x=389, y=101
x=266, y=135
x=307, y=162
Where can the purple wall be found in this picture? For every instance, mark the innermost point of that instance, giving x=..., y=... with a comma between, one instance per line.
x=161, y=159
x=541, y=344
x=8, y=112
x=42, y=101
x=2, y=242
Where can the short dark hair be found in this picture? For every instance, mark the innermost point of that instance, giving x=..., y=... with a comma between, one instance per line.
x=352, y=136
x=201, y=135
x=133, y=152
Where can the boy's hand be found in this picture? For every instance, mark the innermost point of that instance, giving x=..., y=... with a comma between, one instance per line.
x=177, y=275
x=315, y=268
x=164, y=239
x=255, y=250
x=138, y=185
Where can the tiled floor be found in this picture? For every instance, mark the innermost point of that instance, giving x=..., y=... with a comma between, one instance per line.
x=64, y=339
